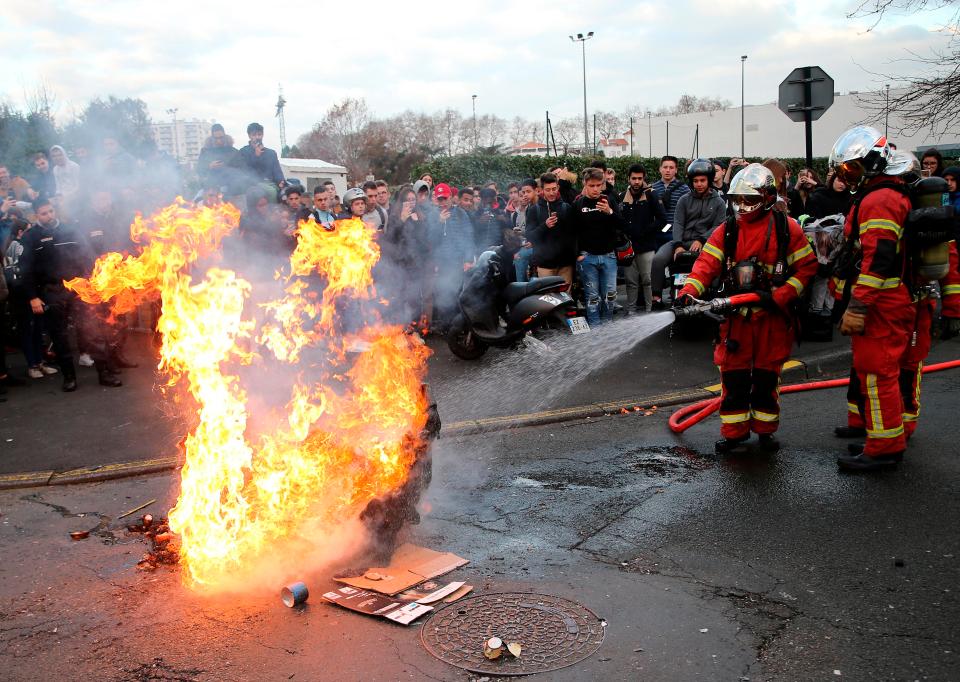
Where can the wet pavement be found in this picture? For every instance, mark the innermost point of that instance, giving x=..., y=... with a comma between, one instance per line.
x=98, y=425
x=759, y=567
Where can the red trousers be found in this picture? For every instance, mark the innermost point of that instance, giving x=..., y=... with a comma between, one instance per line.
x=750, y=354
x=874, y=398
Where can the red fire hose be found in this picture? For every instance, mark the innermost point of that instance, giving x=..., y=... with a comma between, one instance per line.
x=680, y=421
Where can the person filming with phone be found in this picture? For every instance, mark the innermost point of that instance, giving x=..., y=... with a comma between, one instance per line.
x=260, y=163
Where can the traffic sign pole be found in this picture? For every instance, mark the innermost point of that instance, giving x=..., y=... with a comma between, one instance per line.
x=804, y=96
x=808, y=115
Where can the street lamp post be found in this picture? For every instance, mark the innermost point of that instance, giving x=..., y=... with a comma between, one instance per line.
x=743, y=124
x=474, y=122
x=649, y=135
x=886, y=113
x=582, y=39
x=176, y=135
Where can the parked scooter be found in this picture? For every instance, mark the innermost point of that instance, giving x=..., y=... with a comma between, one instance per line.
x=499, y=313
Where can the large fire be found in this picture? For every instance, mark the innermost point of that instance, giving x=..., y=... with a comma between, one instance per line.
x=257, y=489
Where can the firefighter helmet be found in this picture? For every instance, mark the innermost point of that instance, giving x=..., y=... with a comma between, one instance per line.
x=860, y=153
x=753, y=188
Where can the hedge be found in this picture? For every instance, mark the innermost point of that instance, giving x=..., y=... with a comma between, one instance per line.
x=476, y=169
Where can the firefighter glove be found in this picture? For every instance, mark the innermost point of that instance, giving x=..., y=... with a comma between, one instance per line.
x=852, y=323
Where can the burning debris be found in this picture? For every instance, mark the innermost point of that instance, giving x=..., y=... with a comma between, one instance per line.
x=311, y=419
x=164, y=544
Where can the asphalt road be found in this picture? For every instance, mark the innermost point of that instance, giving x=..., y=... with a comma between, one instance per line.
x=42, y=428
x=755, y=567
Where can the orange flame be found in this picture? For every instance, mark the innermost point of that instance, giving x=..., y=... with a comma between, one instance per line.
x=348, y=434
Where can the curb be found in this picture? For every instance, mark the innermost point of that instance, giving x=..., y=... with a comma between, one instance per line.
x=106, y=472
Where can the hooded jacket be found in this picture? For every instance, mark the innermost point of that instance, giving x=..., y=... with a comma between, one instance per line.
x=553, y=247
x=67, y=176
x=696, y=216
x=227, y=155
x=642, y=217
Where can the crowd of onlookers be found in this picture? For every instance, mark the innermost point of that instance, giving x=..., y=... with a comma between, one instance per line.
x=57, y=219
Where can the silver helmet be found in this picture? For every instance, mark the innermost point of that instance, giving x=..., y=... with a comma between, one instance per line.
x=752, y=189
x=860, y=153
x=352, y=195
x=904, y=164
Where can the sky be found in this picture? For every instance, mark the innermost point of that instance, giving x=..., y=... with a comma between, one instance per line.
x=223, y=62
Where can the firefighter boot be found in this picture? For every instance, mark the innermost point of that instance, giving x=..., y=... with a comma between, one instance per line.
x=727, y=445
x=855, y=460
x=850, y=432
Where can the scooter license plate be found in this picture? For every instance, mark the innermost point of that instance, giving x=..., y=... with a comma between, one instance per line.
x=558, y=298
x=578, y=325
x=679, y=278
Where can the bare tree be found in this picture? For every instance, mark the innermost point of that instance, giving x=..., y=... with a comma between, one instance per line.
x=491, y=131
x=932, y=96
x=41, y=101
x=568, y=133
x=338, y=136
x=609, y=125
x=519, y=128
x=634, y=111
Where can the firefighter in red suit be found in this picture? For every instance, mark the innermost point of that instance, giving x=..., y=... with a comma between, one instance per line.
x=911, y=364
x=766, y=252
x=882, y=312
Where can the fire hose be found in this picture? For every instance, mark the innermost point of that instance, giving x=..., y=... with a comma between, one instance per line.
x=687, y=416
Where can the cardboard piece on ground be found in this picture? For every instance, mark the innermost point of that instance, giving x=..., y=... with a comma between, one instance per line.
x=429, y=592
x=410, y=566
x=374, y=604
x=462, y=592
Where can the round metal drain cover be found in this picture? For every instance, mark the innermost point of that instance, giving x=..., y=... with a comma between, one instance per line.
x=553, y=632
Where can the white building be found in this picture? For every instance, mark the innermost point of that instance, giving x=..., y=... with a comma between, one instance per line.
x=531, y=148
x=614, y=147
x=313, y=172
x=769, y=132
x=183, y=141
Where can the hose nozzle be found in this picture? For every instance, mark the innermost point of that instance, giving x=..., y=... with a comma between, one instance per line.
x=716, y=306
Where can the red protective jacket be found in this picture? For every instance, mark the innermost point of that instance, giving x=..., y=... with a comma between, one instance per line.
x=752, y=234
x=950, y=286
x=882, y=215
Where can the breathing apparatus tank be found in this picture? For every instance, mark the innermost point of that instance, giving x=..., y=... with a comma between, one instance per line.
x=931, y=199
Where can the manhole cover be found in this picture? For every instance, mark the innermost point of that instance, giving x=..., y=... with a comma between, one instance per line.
x=553, y=632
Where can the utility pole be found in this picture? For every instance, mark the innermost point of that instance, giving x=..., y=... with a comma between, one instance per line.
x=649, y=135
x=176, y=135
x=743, y=124
x=474, y=122
x=886, y=114
x=631, y=136
x=582, y=39
x=594, y=134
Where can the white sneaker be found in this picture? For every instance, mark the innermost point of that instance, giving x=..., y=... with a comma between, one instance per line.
x=85, y=360
x=34, y=373
x=47, y=369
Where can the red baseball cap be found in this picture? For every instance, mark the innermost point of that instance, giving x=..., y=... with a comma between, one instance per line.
x=442, y=191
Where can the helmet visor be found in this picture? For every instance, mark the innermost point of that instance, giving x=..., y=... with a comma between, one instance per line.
x=746, y=203
x=851, y=172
